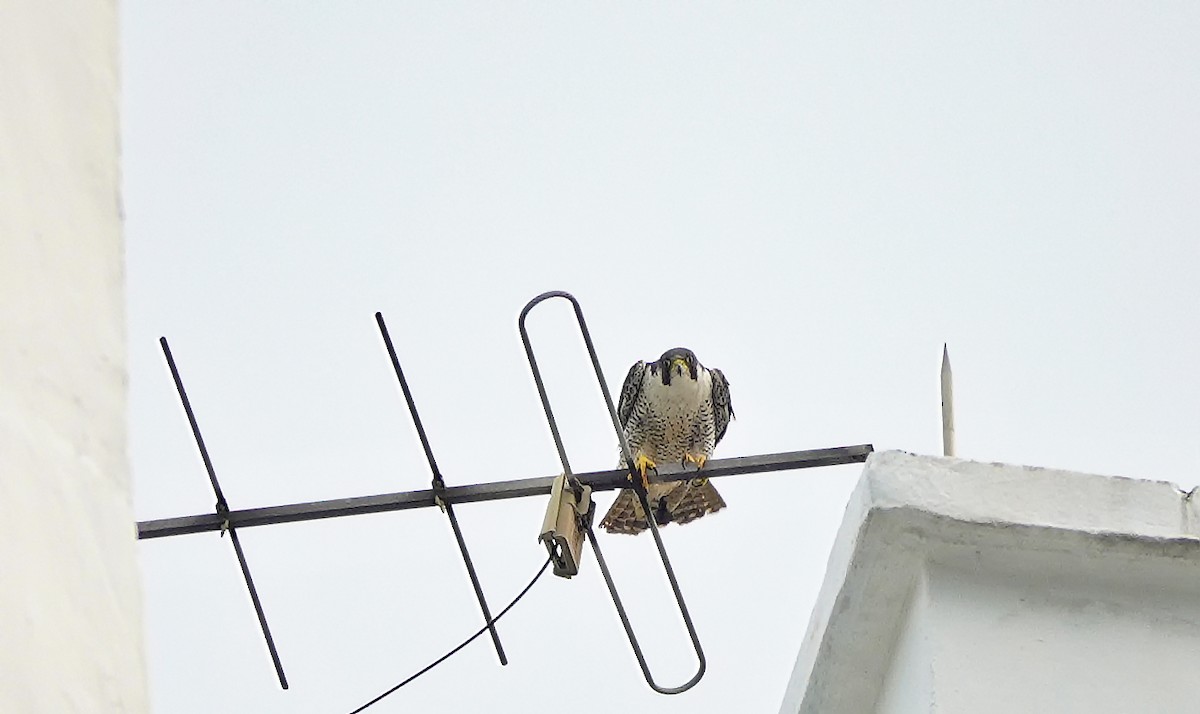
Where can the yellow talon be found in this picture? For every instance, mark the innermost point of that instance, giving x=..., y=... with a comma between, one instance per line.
x=644, y=463
x=697, y=460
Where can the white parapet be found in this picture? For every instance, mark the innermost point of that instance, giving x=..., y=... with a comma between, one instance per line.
x=956, y=586
x=70, y=604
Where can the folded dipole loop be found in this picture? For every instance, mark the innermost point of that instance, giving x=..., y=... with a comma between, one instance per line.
x=562, y=455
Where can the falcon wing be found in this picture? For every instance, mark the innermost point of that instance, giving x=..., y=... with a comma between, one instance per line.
x=630, y=392
x=722, y=408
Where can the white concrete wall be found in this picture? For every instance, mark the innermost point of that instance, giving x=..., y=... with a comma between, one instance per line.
x=908, y=686
x=994, y=643
x=956, y=586
x=70, y=611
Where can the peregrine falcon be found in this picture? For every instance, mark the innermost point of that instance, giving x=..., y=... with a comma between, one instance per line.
x=672, y=409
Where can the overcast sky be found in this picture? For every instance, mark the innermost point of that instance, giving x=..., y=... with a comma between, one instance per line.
x=813, y=197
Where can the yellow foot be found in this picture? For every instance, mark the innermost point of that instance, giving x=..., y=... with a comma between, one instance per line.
x=697, y=460
x=644, y=463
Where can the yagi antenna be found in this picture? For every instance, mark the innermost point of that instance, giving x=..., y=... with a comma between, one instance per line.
x=568, y=518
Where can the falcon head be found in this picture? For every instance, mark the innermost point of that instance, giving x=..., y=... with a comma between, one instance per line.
x=676, y=361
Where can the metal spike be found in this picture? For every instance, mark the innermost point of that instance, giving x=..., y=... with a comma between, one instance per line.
x=947, y=404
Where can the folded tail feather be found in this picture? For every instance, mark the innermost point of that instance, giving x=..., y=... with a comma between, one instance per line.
x=680, y=502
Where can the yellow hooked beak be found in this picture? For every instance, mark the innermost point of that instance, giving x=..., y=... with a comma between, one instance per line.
x=680, y=363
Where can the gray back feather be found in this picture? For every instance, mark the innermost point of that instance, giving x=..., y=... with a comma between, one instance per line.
x=630, y=391
x=722, y=407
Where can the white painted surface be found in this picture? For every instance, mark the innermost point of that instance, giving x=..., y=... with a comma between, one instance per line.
x=1060, y=644
x=70, y=631
x=908, y=686
x=965, y=587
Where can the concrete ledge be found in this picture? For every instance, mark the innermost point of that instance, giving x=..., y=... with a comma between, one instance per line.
x=1116, y=539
